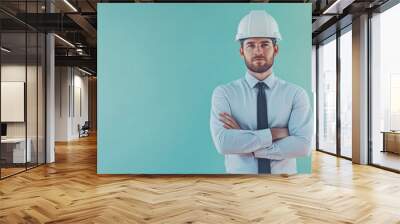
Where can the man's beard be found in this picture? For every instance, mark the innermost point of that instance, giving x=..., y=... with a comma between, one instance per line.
x=259, y=69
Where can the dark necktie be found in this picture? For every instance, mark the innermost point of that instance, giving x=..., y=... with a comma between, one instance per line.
x=262, y=123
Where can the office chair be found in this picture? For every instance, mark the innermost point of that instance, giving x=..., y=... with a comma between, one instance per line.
x=84, y=130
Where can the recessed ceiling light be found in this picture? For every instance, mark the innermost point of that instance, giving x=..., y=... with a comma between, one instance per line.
x=5, y=50
x=84, y=71
x=65, y=41
x=337, y=7
x=70, y=5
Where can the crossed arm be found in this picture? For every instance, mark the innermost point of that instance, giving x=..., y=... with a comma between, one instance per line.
x=230, y=123
x=271, y=143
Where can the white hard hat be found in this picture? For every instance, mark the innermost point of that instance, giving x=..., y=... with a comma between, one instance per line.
x=258, y=23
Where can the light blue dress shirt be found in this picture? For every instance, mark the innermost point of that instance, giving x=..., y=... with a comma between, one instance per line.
x=288, y=107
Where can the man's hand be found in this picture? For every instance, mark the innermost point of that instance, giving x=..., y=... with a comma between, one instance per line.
x=229, y=122
x=278, y=133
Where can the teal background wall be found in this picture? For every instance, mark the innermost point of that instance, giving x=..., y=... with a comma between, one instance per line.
x=157, y=67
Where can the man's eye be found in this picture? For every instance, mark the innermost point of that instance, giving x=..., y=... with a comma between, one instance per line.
x=250, y=45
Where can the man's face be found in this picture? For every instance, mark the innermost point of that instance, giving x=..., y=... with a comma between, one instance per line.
x=258, y=53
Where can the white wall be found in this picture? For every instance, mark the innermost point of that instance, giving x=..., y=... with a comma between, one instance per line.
x=71, y=94
x=79, y=112
x=62, y=81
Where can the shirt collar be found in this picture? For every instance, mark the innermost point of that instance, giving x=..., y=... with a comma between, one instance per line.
x=269, y=81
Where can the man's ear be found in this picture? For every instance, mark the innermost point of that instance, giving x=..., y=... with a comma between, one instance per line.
x=276, y=50
x=241, y=52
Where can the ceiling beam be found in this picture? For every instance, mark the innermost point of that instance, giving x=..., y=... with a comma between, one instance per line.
x=85, y=25
x=83, y=61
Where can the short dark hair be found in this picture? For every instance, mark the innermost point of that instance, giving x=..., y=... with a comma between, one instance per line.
x=272, y=39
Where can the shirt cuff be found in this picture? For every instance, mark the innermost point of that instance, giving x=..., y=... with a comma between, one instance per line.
x=261, y=153
x=265, y=137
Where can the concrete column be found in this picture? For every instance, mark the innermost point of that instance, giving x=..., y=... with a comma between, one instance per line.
x=360, y=90
x=50, y=92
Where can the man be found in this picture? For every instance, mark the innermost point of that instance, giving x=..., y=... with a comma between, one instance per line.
x=260, y=123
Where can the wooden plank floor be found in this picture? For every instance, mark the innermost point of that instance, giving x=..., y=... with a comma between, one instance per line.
x=70, y=191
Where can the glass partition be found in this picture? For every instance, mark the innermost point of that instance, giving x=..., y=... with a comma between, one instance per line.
x=14, y=153
x=385, y=89
x=327, y=96
x=32, y=95
x=41, y=107
x=22, y=78
x=346, y=94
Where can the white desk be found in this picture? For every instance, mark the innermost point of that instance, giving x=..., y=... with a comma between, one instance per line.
x=18, y=153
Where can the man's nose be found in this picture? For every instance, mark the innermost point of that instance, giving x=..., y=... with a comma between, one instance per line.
x=258, y=50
